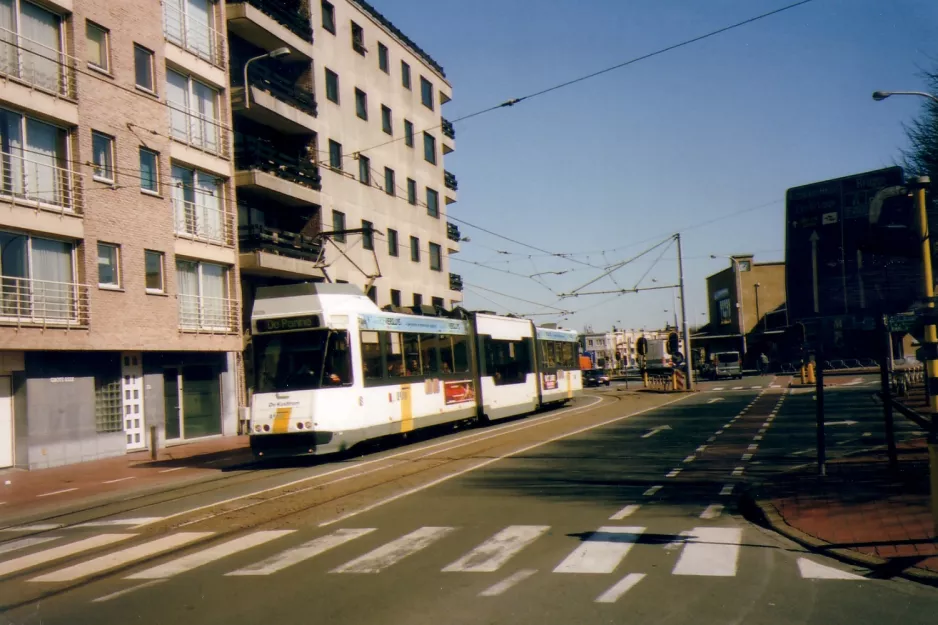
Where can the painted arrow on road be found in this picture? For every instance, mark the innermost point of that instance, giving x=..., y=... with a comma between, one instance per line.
x=841, y=422
x=654, y=431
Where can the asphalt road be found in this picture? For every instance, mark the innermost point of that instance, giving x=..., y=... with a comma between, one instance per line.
x=621, y=508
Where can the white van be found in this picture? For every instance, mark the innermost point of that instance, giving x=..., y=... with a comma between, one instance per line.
x=726, y=365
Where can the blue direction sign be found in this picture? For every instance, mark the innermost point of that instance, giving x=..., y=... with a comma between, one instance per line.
x=850, y=247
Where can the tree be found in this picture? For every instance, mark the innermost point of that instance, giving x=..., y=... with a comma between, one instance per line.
x=921, y=157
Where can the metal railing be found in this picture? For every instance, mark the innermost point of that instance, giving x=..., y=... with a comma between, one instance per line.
x=205, y=223
x=449, y=180
x=37, y=65
x=31, y=182
x=452, y=232
x=455, y=282
x=256, y=237
x=193, y=34
x=198, y=131
x=208, y=314
x=447, y=128
x=291, y=14
x=261, y=154
x=45, y=303
x=268, y=77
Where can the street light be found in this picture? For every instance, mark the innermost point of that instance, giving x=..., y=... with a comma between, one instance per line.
x=879, y=96
x=739, y=299
x=758, y=318
x=273, y=54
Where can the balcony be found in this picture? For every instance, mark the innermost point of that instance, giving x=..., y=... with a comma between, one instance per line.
x=208, y=315
x=449, y=180
x=43, y=303
x=452, y=232
x=192, y=34
x=448, y=129
x=36, y=65
x=271, y=24
x=455, y=282
x=36, y=181
x=208, y=224
x=275, y=101
x=269, y=251
x=287, y=179
x=199, y=131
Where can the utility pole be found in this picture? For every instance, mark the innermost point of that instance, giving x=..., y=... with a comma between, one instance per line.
x=689, y=368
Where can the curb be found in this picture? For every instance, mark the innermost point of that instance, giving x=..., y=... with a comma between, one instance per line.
x=763, y=513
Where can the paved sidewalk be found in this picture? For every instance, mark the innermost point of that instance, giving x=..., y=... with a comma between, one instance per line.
x=24, y=492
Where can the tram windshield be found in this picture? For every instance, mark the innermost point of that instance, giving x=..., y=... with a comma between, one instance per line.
x=302, y=360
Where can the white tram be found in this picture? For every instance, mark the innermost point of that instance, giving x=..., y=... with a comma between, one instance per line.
x=332, y=369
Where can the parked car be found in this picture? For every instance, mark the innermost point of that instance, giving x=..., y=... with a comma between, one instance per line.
x=726, y=365
x=595, y=377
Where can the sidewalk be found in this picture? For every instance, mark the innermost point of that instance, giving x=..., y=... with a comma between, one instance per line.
x=23, y=492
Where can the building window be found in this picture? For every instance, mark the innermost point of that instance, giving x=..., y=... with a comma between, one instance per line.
x=412, y=191
x=433, y=203
x=408, y=134
x=368, y=235
x=190, y=24
x=361, y=104
x=726, y=315
x=395, y=298
x=364, y=170
x=415, y=249
x=193, y=112
x=358, y=39
x=153, y=271
x=338, y=225
x=405, y=75
x=436, y=302
x=389, y=186
x=107, y=400
x=31, y=47
x=35, y=163
x=426, y=93
x=38, y=279
x=373, y=294
x=335, y=154
x=418, y=300
x=392, y=243
x=149, y=171
x=429, y=148
x=203, y=296
x=198, y=205
x=436, y=257
x=383, y=63
x=102, y=153
x=98, y=42
x=744, y=265
x=386, y=120
x=109, y=272
x=332, y=86
x=328, y=16
x=143, y=68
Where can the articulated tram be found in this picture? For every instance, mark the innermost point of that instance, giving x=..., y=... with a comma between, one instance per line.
x=332, y=369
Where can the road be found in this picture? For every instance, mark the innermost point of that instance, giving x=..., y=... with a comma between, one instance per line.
x=620, y=508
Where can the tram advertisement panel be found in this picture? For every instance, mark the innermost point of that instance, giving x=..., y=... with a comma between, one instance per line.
x=550, y=381
x=459, y=392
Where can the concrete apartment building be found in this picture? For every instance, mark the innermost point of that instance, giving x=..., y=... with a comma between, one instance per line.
x=602, y=347
x=119, y=289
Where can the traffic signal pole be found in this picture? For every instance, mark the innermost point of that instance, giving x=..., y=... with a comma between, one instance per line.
x=689, y=367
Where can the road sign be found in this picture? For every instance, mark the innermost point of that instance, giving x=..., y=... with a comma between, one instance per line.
x=903, y=322
x=847, y=247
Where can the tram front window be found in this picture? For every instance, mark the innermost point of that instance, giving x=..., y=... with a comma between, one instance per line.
x=302, y=360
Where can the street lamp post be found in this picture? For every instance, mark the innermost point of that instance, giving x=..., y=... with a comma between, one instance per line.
x=758, y=318
x=273, y=54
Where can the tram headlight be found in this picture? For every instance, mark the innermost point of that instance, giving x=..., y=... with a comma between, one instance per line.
x=266, y=427
x=299, y=425
x=309, y=425
x=257, y=428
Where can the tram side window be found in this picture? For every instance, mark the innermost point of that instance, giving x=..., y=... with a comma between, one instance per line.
x=569, y=354
x=508, y=362
x=549, y=351
x=460, y=353
x=445, y=344
x=428, y=352
x=412, y=364
x=371, y=356
x=337, y=369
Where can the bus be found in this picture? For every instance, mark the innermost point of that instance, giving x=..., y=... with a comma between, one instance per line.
x=331, y=369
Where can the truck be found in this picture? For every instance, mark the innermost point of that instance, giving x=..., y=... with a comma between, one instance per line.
x=657, y=357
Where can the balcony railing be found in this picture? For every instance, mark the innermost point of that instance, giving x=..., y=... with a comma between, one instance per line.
x=215, y=315
x=261, y=154
x=266, y=77
x=28, y=302
x=452, y=231
x=38, y=182
x=211, y=224
x=455, y=282
x=198, y=131
x=37, y=65
x=449, y=180
x=293, y=15
x=447, y=128
x=290, y=244
x=192, y=33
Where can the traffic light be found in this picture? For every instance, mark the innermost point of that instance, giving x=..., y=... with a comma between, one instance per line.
x=641, y=346
x=673, y=347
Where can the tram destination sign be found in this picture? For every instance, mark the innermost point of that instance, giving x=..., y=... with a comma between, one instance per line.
x=286, y=324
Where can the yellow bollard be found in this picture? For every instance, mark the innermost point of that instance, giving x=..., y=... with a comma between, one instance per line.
x=645, y=379
x=811, y=378
x=673, y=381
x=803, y=375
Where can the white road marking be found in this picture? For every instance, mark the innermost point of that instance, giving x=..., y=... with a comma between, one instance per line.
x=497, y=550
x=673, y=473
x=755, y=387
x=711, y=439
x=715, y=400
x=813, y=570
x=737, y=388
x=127, y=591
x=211, y=554
x=753, y=447
x=763, y=430
x=711, y=552
x=717, y=388
x=655, y=430
x=757, y=437
x=766, y=424
x=620, y=588
x=651, y=491
x=57, y=492
x=738, y=471
x=602, y=551
x=701, y=449
x=381, y=558
x=513, y=579
x=718, y=432
x=690, y=458
x=173, y=469
x=48, y=555
x=624, y=512
x=120, y=479
x=37, y=527
x=486, y=463
x=120, y=522
x=303, y=552
x=775, y=386
x=727, y=490
x=23, y=543
x=119, y=558
x=713, y=511
x=867, y=434
x=746, y=457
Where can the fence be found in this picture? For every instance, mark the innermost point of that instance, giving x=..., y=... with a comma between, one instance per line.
x=199, y=131
x=214, y=315
x=40, y=184
x=193, y=33
x=206, y=223
x=37, y=65
x=45, y=303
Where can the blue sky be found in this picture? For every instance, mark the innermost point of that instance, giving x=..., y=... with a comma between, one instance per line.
x=715, y=128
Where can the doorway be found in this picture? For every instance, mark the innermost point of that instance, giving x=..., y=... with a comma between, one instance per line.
x=192, y=402
x=6, y=422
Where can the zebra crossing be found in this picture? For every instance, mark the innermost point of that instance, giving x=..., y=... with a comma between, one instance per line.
x=704, y=551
